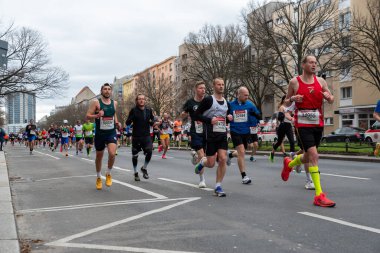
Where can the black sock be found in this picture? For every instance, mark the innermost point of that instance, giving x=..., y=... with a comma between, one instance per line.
x=243, y=174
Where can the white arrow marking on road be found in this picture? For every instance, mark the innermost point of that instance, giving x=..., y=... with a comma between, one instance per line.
x=374, y=230
x=57, y=158
x=184, y=183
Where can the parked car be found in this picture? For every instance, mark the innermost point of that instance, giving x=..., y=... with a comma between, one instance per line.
x=373, y=134
x=345, y=134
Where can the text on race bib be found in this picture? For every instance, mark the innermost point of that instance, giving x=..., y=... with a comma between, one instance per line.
x=240, y=116
x=107, y=123
x=309, y=117
x=220, y=125
x=198, y=127
x=88, y=133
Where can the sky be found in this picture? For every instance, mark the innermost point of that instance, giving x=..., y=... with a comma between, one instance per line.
x=95, y=41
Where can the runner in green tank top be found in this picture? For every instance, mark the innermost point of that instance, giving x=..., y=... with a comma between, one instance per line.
x=103, y=110
x=88, y=130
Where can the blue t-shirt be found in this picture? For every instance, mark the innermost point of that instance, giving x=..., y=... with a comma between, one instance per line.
x=377, y=109
x=242, y=118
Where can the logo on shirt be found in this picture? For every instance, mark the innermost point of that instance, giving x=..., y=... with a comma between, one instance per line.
x=195, y=107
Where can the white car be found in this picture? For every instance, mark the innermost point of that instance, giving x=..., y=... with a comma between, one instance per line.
x=373, y=134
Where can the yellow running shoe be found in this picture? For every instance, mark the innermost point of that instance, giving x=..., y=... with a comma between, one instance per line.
x=108, y=180
x=98, y=183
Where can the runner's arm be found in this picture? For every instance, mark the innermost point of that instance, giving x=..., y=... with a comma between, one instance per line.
x=130, y=118
x=91, y=112
x=204, y=106
x=325, y=91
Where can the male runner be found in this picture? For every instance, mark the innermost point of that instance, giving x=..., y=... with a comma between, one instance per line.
x=376, y=115
x=31, y=130
x=212, y=111
x=241, y=108
x=78, y=131
x=142, y=119
x=308, y=92
x=88, y=129
x=196, y=128
x=51, y=132
x=103, y=110
x=65, y=135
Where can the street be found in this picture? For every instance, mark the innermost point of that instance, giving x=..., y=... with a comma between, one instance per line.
x=58, y=208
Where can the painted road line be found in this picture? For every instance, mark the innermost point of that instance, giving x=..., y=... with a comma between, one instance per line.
x=374, y=230
x=118, y=168
x=89, y=160
x=58, y=178
x=116, y=223
x=335, y=175
x=91, y=205
x=184, y=183
x=57, y=158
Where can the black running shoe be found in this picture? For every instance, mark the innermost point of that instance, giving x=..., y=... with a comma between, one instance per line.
x=137, y=178
x=145, y=173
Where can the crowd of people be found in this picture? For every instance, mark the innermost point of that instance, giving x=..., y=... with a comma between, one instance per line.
x=210, y=120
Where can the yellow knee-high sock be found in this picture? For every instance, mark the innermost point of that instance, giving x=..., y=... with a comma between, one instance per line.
x=314, y=172
x=296, y=161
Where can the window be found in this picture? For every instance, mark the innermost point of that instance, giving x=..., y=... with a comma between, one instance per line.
x=344, y=21
x=329, y=121
x=347, y=120
x=345, y=72
x=280, y=20
x=346, y=93
x=170, y=67
x=326, y=25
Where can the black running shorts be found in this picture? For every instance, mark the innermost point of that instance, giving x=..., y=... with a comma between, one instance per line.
x=308, y=137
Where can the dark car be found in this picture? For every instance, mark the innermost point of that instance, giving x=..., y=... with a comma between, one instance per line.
x=345, y=134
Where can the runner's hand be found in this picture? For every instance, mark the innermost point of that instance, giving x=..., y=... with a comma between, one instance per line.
x=326, y=95
x=100, y=113
x=230, y=117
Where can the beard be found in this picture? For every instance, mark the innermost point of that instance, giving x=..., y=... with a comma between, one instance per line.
x=106, y=95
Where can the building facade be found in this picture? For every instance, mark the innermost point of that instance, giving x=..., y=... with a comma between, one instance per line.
x=20, y=109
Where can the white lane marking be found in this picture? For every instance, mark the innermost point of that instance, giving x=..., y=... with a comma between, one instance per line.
x=118, y=248
x=116, y=223
x=370, y=229
x=184, y=183
x=335, y=175
x=156, y=195
x=118, y=168
x=57, y=158
x=58, y=178
x=102, y=204
x=87, y=159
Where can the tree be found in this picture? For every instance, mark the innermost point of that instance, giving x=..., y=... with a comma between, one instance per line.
x=215, y=51
x=29, y=69
x=363, y=44
x=71, y=113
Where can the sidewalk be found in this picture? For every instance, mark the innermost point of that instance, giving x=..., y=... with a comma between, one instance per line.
x=8, y=233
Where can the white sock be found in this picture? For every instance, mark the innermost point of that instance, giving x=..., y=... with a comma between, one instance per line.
x=218, y=184
x=109, y=171
x=308, y=177
x=202, y=178
x=99, y=174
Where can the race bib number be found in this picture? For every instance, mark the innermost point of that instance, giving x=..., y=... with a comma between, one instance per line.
x=79, y=132
x=240, y=116
x=107, y=123
x=64, y=135
x=164, y=131
x=220, y=125
x=253, y=130
x=198, y=127
x=88, y=133
x=309, y=117
x=32, y=132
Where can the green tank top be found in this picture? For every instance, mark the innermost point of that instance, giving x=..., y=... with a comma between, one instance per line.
x=106, y=124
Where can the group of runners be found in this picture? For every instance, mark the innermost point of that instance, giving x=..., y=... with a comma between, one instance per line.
x=301, y=107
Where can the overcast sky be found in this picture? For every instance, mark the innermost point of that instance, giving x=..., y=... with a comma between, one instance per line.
x=96, y=40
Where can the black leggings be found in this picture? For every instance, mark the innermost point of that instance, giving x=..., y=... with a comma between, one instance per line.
x=285, y=128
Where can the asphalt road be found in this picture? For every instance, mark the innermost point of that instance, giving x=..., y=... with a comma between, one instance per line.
x=58, y=208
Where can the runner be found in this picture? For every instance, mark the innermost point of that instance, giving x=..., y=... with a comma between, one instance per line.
x=103, y=110
x=212, y=111
x=308, y=92
x=241, y=108
x=376, y=115
x=20, y=138
x=44, y=137
x=39, y=136
x=253, y=142
x=164, y=125
x=78, y=131
x=58, y=134
x=128, y=131
x=142, y=119
x=177, y=131
x=2, y=135
x=12, y=137
x=65, y=136
x=51, y=132
x=196, y=128
x=88, y=129
x=31, y=129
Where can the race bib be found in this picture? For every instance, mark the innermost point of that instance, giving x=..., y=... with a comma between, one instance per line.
x=164, y=131
x=253, y=130
x=240, y=116
x=32, y=132
x=52, y=133
x=79, y=132
x=309, y=117
x=198, y=127
x=220, y=125
x=107, y=123
x=64, y=135
x=88, y=133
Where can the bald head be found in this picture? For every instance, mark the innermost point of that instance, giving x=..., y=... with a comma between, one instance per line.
x=242, y=94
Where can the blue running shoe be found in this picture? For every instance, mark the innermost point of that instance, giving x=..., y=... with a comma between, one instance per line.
x=252, y=159
x=219, y=192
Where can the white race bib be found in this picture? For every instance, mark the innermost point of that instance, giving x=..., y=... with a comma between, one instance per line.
x=79, y=132
x=64, y=135
x=308, y=117
x=32, y=132
x=240, y=116
x=220, y=125
x=253, y=130
x=198, y=127
x=88, y=133
x=107, y=123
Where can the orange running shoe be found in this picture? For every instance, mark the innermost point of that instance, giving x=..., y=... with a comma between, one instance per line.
x=286, y=169
x=108, y=180
x=377, y=150
x=98, y=183
x=323, y=201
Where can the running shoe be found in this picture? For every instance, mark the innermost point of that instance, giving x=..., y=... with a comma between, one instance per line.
x=271, y=157
x=252, y=159
x=323, y=201
x=219, y=192
x=108, y=180
x=246, y=180
x=116, y=152
x=202, y=184
x=163, y=156
x=194, y=157
x=159, y=149
x=229, y=158
x=77, y=152
x=298, y=168
x=286, y=169
x=377, y=150
x=145, y=173
x=98, y=183
x=137, y=178
x=309, y=185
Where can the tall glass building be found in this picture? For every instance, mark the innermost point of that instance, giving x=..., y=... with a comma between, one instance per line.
x=21, y=107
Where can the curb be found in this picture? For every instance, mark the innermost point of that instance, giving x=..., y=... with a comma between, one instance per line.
x=8, y=234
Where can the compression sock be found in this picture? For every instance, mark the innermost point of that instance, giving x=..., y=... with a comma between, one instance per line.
x=296, y=161
x=316, y=179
